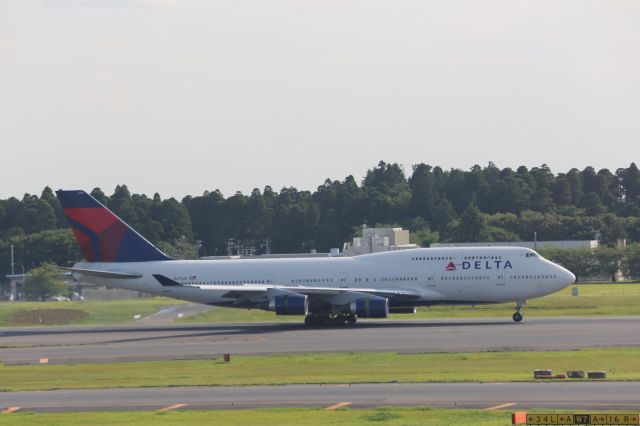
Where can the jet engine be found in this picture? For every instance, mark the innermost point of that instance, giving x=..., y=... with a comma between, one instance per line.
x=377, y=307
x=289, y=303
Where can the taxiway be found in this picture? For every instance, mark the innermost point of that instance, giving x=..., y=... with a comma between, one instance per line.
x=488, y=396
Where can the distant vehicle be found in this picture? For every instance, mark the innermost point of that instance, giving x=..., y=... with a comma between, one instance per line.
x=58, y=298
x=327, y=291
x=77, y=296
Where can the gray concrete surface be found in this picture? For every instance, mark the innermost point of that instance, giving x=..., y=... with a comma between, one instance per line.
x=127, y=343
x=171, y=313
x=511, y=396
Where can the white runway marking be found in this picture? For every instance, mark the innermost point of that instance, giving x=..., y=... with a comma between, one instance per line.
x=338, y=405
x=501, y=406
x=172, y=407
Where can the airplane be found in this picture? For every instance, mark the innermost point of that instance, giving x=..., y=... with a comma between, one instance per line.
x=327, y=291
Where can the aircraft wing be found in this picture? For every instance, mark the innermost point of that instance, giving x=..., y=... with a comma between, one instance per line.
x=242, y=290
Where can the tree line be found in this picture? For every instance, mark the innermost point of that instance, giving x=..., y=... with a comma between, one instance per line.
x=436, y=205
x=609, y=263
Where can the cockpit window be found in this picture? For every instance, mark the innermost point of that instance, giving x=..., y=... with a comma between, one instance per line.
x=531, y=254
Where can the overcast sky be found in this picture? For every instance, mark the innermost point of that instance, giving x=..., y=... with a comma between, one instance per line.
x=178, y=97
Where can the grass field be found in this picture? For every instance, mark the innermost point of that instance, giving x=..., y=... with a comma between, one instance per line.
x=620, y=363
x=386, y=416
x=86, y=312
x=294, y=416
x=594, y=299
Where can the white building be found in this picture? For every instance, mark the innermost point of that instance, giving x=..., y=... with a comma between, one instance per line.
x=375, y=240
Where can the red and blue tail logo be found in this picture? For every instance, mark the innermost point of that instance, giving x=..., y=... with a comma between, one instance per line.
x=103, y=236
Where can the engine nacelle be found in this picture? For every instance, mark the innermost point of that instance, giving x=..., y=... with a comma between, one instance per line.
x=289, y=304
x=370, y=308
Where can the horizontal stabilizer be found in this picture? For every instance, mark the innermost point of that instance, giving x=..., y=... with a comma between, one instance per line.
x=100, y=274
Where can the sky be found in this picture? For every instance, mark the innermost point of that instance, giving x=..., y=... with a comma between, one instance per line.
x=179, y=97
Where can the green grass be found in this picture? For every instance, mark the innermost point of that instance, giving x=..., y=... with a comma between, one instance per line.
x=279, y=416
x=332, y=368
x=382, y=416
x=217, y=314
x=98, y=312
x=594, y=299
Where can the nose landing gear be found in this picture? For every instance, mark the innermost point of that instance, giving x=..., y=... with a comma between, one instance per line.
x=518, y=316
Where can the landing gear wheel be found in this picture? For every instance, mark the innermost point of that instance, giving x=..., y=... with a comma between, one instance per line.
x=517, y=317
x=329, y=320
x=313, y=321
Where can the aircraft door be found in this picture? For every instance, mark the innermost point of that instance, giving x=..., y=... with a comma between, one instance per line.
x=431, y=280
x=498, y=291
x=344, y=280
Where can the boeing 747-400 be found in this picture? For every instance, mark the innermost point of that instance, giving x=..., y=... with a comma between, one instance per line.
x=326, y=291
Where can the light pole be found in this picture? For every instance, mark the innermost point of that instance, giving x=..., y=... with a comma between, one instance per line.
x=13, y=277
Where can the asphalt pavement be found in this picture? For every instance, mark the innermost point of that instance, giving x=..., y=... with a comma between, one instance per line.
x=623, y=396
x=160, y=342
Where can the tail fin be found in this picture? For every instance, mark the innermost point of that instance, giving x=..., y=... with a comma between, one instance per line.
x=103, y=236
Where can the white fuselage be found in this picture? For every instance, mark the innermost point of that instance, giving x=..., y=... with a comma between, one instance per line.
x=438, y=275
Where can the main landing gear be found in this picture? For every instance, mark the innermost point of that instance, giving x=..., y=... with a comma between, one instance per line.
x=330, y=320
x=518, y=316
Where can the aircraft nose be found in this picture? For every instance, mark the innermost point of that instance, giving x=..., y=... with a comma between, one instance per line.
x=570, y=277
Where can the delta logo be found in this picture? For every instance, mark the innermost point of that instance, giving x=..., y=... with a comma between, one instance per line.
x=487, y=264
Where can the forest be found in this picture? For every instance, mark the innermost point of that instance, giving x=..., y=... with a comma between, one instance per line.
x=436, y=205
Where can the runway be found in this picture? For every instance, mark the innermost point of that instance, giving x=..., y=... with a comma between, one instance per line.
x=511, y=396
x=154, y=342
